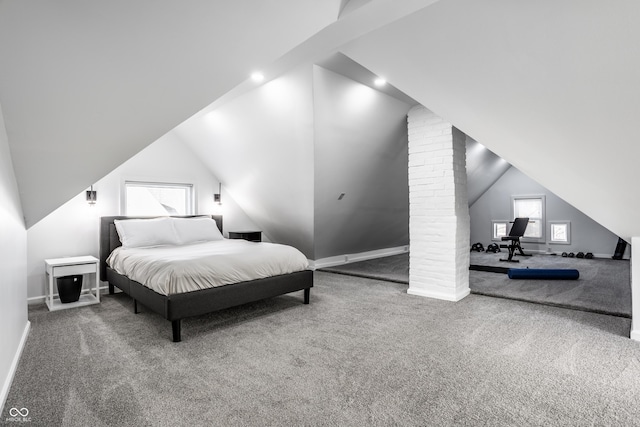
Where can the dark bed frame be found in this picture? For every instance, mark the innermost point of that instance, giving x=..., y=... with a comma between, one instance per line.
x=178, y=306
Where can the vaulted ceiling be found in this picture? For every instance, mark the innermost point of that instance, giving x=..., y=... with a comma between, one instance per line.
x=549, y=86
x=86, y=84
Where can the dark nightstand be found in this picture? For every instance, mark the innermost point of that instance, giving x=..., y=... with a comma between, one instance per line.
x=252, y=236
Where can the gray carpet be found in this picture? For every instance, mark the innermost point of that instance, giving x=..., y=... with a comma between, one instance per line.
x=362, y=353
x=604, y=285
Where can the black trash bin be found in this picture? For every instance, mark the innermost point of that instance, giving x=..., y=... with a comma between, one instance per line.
x=69, y=288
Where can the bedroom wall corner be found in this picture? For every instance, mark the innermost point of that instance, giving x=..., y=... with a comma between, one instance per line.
x=13, y=270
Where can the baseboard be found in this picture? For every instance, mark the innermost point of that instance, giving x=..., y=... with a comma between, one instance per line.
x=362, y=256
x=635, y=335
x=42, y=298
x=14, y=366
x=446, y=296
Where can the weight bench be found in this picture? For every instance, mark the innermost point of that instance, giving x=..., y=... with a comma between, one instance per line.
x=517, y=231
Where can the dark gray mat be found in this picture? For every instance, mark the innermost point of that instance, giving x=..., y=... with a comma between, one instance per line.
x=362, y=353
x=604, y=285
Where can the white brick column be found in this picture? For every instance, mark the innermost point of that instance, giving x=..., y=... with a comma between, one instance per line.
x=439, y=226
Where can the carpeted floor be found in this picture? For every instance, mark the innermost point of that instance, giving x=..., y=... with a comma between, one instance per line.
x=362, y=353
x=604, y=285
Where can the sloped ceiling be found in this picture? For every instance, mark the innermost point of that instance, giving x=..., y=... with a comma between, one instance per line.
x=347, y=6
x=260, y=146
x=551, y=87
x=85, y=84
x=347, y=67
x=484, y=168
x=285, y=150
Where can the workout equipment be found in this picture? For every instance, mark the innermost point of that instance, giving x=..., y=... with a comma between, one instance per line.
x=572, y=255
x=588, y=255
x=478, y=247
x=543, y=274
x=620, y=248
x=580, y=255
x=517, y=231
x=564, y=254
x=493, y=247
x=488, y=268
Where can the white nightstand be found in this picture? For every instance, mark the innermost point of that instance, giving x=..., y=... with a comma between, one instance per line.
x=59, y=267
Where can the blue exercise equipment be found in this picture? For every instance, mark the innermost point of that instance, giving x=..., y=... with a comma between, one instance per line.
x=543, y=273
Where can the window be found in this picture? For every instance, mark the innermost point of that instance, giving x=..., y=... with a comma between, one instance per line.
x=499, y=229
x=156, y=198
x=560, y=232
x=532, y=207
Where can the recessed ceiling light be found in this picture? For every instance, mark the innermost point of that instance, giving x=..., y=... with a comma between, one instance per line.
x=380, y=82
x=257, y=77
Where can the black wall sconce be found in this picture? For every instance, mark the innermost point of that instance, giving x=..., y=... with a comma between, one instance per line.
x=217, y=197
x=92, y=196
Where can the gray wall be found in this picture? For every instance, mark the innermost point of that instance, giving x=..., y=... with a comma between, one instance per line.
x=360, y=150
x=495, y=204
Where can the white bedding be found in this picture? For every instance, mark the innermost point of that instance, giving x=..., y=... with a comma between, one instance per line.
x=176, y=269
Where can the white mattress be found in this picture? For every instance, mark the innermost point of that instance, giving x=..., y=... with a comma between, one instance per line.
x=176, y=269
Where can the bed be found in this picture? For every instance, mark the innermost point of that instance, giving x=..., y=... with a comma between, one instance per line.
x=175, y=302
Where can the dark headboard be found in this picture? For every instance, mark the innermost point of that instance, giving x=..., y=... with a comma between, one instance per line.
x=109, y=239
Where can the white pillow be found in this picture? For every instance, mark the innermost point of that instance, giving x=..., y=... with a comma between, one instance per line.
x=198, y=229
x=136, y=233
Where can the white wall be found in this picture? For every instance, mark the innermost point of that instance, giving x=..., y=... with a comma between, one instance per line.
x=13, y=270
x=495, y=204
x=361, y=150
x=72, y=229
